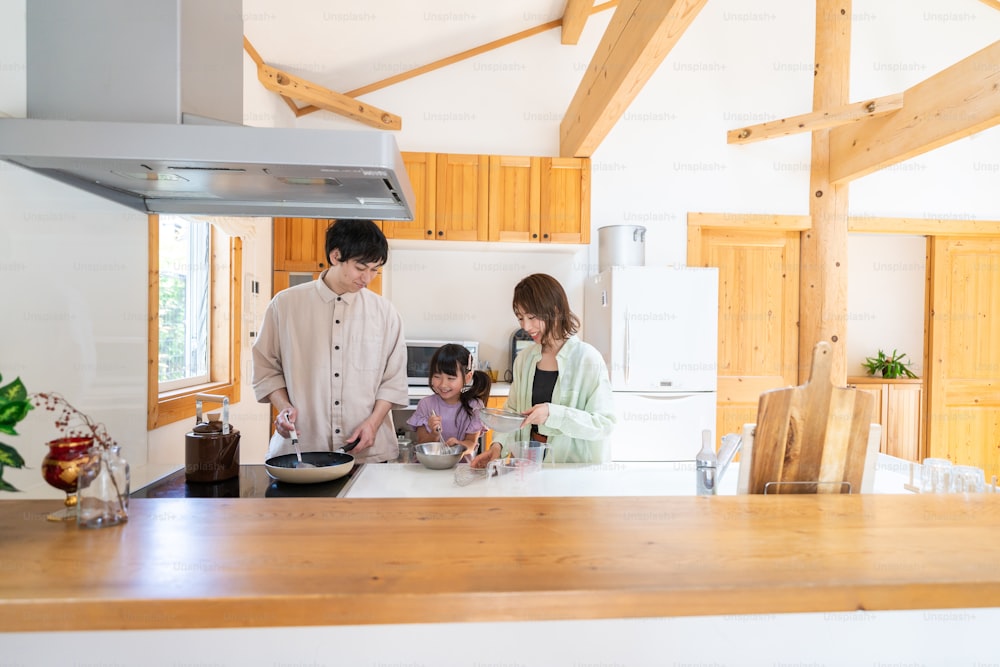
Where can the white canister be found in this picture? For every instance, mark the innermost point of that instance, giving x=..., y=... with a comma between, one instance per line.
x=621, y=245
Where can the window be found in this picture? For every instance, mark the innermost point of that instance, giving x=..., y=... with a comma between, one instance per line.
x=194, y=322
x=184, y=302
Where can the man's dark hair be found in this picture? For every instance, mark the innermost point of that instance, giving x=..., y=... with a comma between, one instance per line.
x=360, y=240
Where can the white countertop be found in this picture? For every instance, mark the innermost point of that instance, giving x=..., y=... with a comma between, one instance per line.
x=617, y=478
x=412, y=480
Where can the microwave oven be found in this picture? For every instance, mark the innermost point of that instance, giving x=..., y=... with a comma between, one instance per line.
x=418, y=358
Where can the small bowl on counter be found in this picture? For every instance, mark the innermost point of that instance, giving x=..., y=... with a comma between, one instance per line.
x=438, y=456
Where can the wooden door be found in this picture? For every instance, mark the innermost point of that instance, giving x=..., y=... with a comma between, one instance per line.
x=963, y=384
x=514, y=198
x=462, y=206
x=758, y=262
x=300, y=244
x=565, y=200
x=422, y=171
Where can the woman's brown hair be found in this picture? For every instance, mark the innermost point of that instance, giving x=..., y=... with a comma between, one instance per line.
x=541, y=295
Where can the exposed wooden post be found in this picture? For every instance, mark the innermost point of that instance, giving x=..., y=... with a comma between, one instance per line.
x=823, y=260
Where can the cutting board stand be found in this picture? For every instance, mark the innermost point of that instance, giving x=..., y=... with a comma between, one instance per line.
x=814, y=438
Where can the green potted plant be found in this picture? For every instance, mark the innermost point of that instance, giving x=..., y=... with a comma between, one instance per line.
x=889, y=365
x=14, y=406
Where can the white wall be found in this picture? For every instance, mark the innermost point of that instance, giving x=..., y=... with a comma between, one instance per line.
x=666, y=157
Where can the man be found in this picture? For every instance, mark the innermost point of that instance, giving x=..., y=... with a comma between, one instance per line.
x=331, y=356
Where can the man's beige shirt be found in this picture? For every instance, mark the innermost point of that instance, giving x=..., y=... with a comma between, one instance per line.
x=335, y=355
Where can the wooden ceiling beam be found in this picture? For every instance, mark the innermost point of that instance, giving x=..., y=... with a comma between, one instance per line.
x=574, y=18
x=640, y=35
x=296, y=88
x=291, y=87
x=817, y=120
x=470, y=53
x=954, y=103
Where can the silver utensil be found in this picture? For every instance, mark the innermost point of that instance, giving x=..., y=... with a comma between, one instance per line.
x=298, y=454
x=440, y=431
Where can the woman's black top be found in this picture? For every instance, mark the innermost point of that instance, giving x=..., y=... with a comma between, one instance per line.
x=543, y=386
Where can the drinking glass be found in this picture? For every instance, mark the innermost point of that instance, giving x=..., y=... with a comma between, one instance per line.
x=967, y=479
x=935, y=476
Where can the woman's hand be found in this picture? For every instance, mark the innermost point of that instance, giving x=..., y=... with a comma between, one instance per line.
x=285, y=421
x=537, y=415
x=484, y=459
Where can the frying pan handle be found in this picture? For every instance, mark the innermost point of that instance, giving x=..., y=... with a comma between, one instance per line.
x=198, y=398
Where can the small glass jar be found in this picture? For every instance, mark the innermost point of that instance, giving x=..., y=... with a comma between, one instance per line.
x=103, y=488
x=406, y=454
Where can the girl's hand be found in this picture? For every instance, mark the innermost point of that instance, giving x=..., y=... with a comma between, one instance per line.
x=434, y=423
x=484, y=459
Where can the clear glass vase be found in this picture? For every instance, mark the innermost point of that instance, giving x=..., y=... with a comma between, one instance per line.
x=102, y=489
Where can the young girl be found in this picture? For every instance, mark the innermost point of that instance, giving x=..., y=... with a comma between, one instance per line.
x=451, y=410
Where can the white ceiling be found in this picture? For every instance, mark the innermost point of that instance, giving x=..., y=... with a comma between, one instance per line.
x=341, y=44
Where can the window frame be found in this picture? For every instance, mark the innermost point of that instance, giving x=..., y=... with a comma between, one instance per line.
x=225, y=331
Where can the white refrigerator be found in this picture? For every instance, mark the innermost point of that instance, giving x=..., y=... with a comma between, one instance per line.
x=657, y=328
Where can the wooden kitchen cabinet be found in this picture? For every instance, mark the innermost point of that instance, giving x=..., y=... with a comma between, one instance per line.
x=300, y=244
x=565, y=200
x=515, y=198
x=898, y=408
x=507, y=198
x=462, y=206
x=421, y=168
x=539, y=200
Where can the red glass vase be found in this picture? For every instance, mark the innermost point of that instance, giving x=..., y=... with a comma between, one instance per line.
x=61, y=469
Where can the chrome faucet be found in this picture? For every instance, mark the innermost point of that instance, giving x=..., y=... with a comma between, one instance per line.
x=711, y=466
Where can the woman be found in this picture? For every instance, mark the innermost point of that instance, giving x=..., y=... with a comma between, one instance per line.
x=560, y=383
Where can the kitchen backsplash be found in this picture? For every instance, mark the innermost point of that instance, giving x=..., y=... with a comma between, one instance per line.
x=461, y=293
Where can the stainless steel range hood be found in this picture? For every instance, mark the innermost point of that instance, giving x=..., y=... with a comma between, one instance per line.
x=112, y=84
x=218, y=170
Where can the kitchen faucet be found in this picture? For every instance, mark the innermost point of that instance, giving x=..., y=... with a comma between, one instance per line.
x=711, y=466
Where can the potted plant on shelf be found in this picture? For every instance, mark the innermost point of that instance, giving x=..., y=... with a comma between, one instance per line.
x=14, y=406
x=889, y=366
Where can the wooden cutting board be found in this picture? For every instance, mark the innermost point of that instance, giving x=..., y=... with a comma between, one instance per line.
x=815, y=432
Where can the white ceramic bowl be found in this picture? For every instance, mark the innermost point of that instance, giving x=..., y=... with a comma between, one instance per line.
x=501, y=421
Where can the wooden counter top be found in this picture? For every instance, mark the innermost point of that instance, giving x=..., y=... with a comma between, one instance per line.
x=199, y=563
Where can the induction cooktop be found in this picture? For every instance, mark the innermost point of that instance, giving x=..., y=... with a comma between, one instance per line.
x=252, y=482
